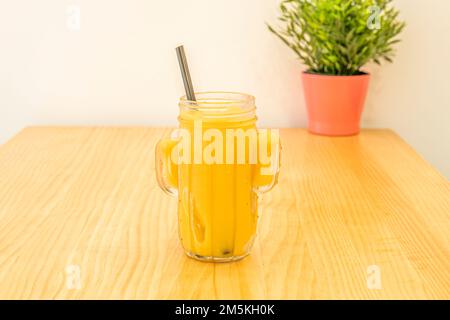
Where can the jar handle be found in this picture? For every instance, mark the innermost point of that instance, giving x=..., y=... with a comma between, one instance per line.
x=166, y=170
x=266, y=176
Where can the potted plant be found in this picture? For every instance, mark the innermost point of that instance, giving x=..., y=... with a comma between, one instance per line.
x=334, y=39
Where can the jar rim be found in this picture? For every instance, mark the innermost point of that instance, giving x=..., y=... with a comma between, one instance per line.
x=207, y=100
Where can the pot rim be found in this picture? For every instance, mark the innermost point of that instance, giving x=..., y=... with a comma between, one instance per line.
x=322, y=75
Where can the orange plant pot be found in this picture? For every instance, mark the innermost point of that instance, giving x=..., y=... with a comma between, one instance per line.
x=334, y=103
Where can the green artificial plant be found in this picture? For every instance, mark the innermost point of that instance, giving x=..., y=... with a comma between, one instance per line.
x=338, y=37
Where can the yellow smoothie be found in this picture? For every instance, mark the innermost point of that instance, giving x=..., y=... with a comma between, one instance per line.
x=217, y=203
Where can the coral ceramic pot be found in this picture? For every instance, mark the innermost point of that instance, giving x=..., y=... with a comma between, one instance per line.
x=334, y=103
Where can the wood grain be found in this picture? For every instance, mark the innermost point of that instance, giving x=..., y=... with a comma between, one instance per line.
x=88, y=197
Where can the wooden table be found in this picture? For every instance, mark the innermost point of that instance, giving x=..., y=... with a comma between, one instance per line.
x=81, y=216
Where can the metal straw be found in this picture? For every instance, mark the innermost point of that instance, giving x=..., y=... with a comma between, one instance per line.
x=188, y=87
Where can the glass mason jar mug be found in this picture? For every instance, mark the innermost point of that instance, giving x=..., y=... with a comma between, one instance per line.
x=217, y=163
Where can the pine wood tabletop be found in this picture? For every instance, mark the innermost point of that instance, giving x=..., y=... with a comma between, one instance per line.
x=82, y=217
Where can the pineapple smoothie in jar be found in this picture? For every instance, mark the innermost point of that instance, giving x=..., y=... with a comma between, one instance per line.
x=213, y=164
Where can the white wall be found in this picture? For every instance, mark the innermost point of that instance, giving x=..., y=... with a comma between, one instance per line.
x=121, y=68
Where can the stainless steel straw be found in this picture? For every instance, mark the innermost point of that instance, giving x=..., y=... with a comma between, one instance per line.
x=188, y=87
